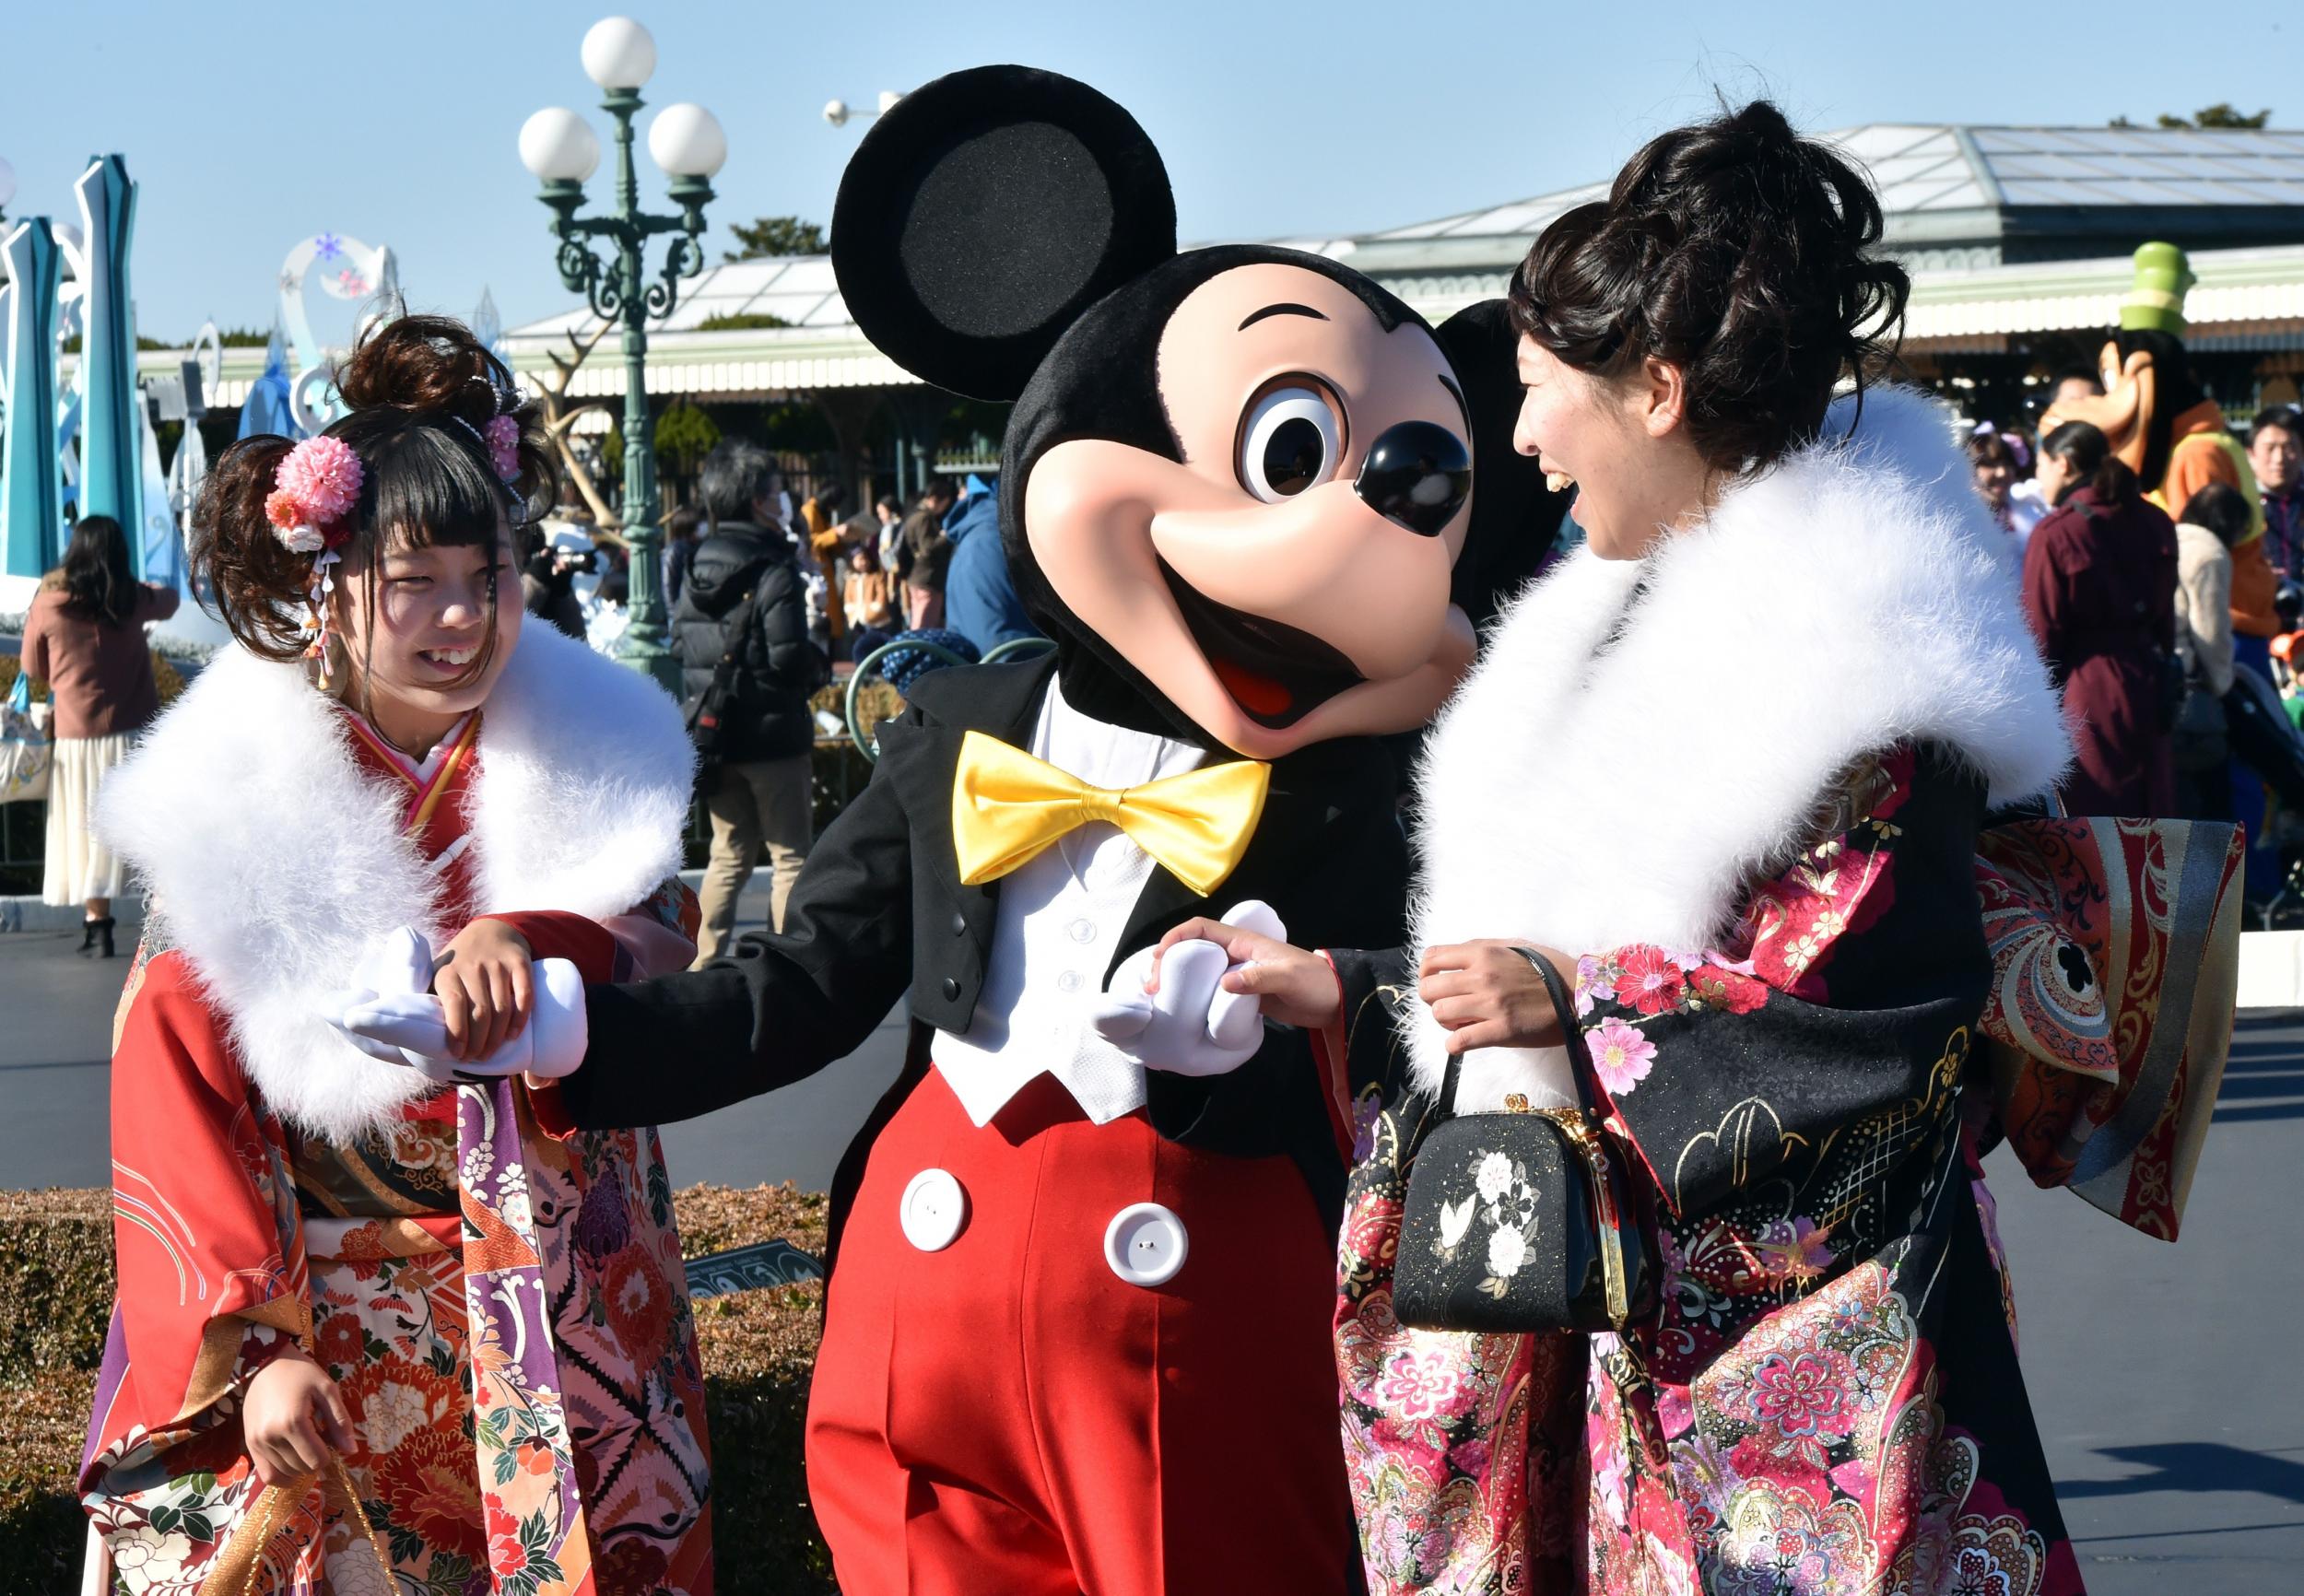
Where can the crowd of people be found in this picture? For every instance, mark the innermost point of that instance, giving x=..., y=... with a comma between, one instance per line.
x=2166, y=618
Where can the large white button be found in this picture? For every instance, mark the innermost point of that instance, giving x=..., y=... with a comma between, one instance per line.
x=1145, y=1244
x=1083, y=931
x=933, y=1210
x=1068, y=981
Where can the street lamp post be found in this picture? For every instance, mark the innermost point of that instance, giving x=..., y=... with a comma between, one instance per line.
x=559, y=148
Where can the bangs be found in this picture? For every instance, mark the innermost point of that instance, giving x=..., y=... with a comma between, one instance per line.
x=426, y=488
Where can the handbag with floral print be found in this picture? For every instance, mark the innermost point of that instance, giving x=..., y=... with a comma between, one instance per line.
x=1520, y=1220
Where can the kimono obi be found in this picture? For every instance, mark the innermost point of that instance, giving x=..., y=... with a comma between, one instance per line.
x=404, y=1171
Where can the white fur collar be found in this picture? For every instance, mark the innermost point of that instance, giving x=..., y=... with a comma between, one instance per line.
x=272, y=861
x=1855, y=596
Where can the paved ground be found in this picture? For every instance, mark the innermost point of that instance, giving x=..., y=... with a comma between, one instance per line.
x=2166, y=1379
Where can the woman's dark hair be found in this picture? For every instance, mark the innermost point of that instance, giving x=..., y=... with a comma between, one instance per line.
x=1991, y=447
x=420, y=391
x=99, y=582
x=2223, y=510
x=1738, y=252
x=2082, y=447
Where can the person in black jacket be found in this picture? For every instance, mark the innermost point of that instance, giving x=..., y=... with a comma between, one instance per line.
x=744, y=594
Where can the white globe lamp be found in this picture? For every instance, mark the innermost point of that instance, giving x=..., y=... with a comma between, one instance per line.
x=686, y=141
x=618, y=53
x=558, y=146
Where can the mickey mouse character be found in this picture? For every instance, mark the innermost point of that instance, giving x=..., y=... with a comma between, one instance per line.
x=1076, y=1337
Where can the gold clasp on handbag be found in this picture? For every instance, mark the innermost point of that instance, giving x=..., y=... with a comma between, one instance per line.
x=1576, y=1125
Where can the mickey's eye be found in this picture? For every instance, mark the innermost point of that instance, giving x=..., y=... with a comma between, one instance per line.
x=1291, y=438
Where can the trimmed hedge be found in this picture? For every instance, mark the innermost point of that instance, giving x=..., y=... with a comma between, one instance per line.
x=758, y=1348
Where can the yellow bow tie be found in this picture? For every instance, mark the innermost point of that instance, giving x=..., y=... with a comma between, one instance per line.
x=1007, y=807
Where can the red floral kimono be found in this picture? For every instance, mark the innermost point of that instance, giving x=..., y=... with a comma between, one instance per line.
x=504, y=1312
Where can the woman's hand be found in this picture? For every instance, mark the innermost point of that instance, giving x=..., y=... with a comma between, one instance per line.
x=293, y=1418
x=1294, y=988
x=487, y=986
x=1487, y=994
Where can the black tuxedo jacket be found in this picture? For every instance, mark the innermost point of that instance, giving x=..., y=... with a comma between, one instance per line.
x=879, y=912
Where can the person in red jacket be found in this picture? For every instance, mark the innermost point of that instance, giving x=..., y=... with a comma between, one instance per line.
x=2099, y=588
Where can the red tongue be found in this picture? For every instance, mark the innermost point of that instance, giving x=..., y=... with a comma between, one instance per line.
x=1257, y=694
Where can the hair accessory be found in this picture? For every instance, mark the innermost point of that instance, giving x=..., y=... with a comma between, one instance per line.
x=310, y=508
x=501, y=439
x=314, y=490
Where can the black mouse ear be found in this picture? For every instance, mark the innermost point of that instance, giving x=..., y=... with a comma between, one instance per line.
x=1514, y=517
x=985, y=213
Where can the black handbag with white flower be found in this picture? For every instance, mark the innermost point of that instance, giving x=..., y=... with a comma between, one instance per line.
x=1522, y=1220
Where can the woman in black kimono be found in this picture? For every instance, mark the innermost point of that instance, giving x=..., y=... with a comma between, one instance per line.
x=1729, y=766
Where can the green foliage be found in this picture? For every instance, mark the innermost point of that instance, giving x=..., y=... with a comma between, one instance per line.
x=740, y=322
x=684, y=434
x=759, y=1349
x=2220, y=116
x=769, y=236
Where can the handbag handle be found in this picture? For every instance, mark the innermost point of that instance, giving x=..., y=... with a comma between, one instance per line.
x=1572, y=1038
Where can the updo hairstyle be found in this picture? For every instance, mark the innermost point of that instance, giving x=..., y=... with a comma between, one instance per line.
x=1738, y=252
x=421, y=390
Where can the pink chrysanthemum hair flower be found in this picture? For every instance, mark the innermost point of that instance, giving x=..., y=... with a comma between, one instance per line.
x=503, y=437
x=316, y=482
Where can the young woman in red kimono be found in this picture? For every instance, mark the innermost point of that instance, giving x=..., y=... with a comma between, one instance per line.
x=1728, y=768
x=375, y=1334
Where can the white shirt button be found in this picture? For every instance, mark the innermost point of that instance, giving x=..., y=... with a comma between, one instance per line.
x=1068, y=981
x=934, y=1209
x=1145, y=1244
x=1083, y=931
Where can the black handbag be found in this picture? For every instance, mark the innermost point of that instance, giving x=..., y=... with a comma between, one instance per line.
x=1520, y=1220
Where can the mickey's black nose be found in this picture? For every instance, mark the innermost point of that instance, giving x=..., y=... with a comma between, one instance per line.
x=1416, y=476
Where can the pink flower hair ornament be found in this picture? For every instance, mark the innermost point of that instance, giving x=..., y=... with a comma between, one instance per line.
x=309, y=507
x=312, y=494
x=503, y=437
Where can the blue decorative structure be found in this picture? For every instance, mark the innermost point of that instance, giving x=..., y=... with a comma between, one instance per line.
x=31, y=484
x=266, y=408
x=112, y=439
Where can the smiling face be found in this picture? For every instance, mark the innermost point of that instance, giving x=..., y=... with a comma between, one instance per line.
x=446, y=618
x=1286, y=581
x=1620, y=441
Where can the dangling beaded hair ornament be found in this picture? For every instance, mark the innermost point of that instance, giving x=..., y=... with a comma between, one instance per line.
x=315, y=487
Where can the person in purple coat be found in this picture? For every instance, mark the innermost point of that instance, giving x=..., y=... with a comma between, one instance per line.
x=2099, y=588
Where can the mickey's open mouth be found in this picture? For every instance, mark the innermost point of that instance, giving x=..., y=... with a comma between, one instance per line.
x=1277, y=674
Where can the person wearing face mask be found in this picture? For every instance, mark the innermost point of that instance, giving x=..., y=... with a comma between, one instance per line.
x=1728, y=927
x=374, y=1331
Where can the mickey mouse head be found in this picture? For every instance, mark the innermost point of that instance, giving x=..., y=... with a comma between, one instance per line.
x=1238, y=481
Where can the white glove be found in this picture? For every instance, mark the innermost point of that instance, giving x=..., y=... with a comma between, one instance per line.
x=392, y=1015
x=1192, y=1026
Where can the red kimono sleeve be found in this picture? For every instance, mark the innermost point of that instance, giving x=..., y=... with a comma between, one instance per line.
x=212, y=1279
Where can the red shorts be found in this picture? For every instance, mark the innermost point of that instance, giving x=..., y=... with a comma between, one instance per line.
x=1003, y=1412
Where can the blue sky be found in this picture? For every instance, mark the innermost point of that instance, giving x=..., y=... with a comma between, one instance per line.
x=250, y=126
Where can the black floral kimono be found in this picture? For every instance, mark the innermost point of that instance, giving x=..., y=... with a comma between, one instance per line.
x=1806, y=1028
